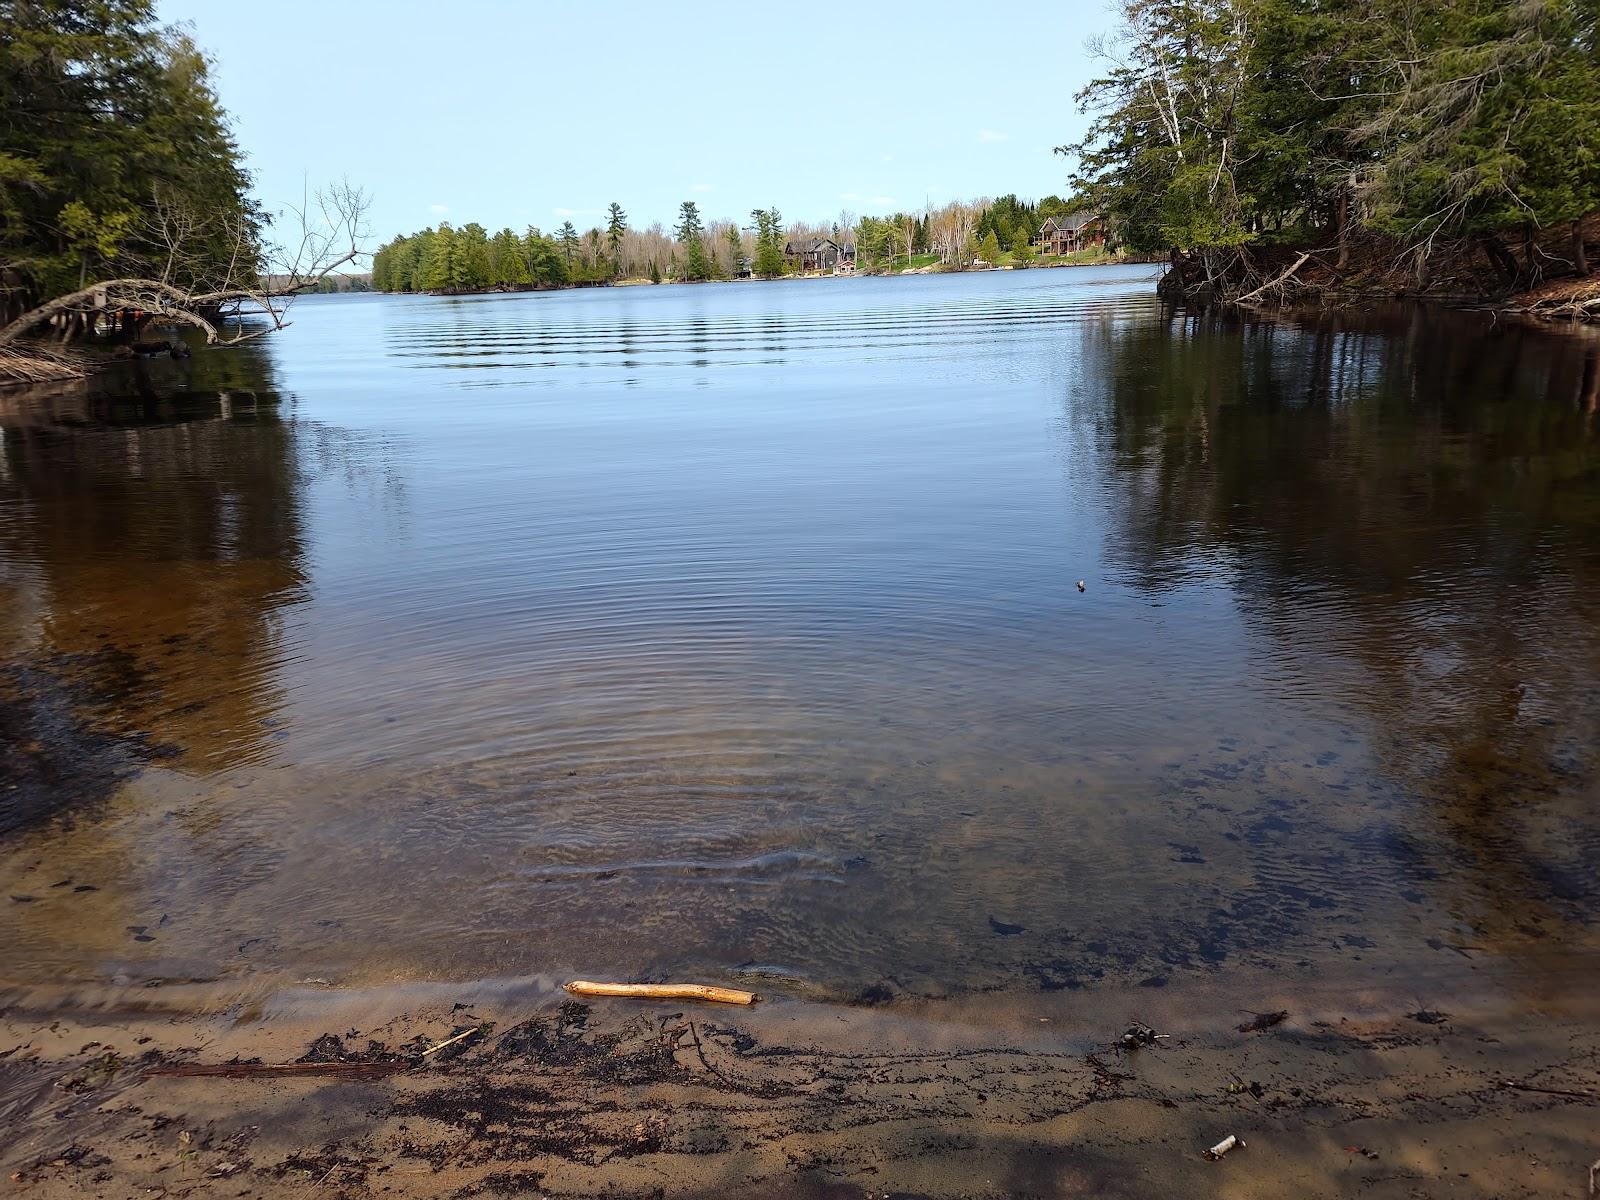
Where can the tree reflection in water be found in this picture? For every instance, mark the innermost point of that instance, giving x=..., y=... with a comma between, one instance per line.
x=1412, y=499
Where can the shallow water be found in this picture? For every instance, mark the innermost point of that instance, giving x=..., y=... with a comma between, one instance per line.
x=734, y=631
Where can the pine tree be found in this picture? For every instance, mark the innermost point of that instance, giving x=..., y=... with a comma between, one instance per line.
x=689, y=231
x=769, y=242
x=735, y=251
x=444, y=270
x=474, y=257
x=616, y=226
x=568, y=237
x=508, y=267
x=989, y=249
x=1022, y=251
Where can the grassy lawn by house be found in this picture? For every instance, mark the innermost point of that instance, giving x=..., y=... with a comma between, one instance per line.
x=1081, y=258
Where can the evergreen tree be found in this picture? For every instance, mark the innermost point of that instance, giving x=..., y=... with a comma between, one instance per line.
x=1228, y=122
x=1022, y=251
x=689, y=231
x=107, y=120
x=735, y=251
x=655, y=271
x=445, y=271
x=508, y=266
x=989, y=249
x=769, y=242
x=616, y=226
x=473, y=249
x=546, y=263
x=568, y=237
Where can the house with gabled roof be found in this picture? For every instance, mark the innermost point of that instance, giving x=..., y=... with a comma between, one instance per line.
x=1072, y=232
x=822, y=254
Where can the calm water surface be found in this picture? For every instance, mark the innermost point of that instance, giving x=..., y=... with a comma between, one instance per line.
x=736, y=631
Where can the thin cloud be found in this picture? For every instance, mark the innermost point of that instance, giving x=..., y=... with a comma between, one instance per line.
x=990, y=135
x=700, y=187
x=438, y=210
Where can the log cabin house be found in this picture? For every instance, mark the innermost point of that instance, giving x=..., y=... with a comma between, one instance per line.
x=1072, y=232
x=822, y=254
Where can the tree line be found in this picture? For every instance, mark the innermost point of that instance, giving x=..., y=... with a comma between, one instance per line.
x=955, y=236
x=1226, y=128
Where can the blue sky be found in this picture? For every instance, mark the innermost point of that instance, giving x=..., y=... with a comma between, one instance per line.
x=533, y=113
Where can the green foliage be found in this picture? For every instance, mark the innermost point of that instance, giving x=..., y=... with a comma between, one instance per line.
x=877, y=239
x=769, y=242
x=696, y=265
x=655, y=271
x=109, y=118
x=508, y=266
x=616, y=226
x=1223, y=122
x=450, y=260
x=989, y=249
x=1006, y=215
x=1022, y=252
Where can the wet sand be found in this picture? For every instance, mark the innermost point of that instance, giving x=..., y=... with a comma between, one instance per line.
x=986, y=1096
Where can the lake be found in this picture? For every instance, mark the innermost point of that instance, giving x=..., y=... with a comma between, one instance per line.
x=736, y=632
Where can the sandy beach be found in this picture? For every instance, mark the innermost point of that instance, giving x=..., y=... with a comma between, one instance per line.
x=985, y=1096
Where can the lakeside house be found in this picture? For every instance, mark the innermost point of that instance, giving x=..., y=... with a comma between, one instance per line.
x=1072, y=232
x=822, y=254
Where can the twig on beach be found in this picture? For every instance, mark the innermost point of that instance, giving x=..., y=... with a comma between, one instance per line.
x=663, y=991
x=248, y=1070
x=451, y=1041
x=1548, y=1091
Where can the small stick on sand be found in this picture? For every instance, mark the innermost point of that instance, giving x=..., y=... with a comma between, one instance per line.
x=247, y=1070
x=1222, y=1147
x=452, y=1041
x=663, y=991
x=1548, y=1091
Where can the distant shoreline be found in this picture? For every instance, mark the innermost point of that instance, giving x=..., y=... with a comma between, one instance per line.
x=641, y=281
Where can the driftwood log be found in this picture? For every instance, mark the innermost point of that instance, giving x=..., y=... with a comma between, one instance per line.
x=663, y=991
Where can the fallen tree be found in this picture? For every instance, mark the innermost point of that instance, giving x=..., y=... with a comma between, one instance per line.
x=124, y=199
x=331, y=230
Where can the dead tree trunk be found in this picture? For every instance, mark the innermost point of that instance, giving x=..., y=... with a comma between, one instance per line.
x=1580, y=258
x=1529, y=247
x=1500, y=259
x=1342, y=216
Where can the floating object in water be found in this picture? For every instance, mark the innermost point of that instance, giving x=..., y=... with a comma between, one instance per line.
x=663, y=991
x=1080, y=585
